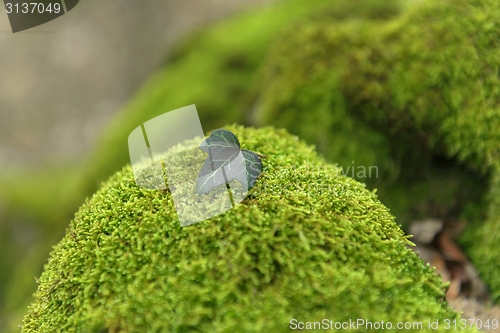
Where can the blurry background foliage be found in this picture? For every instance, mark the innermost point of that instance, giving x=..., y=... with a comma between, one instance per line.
x=408, y=86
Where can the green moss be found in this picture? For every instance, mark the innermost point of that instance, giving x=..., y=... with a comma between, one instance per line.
x=307, y=243
x=391, y=95
x=412, y=92
x=481, y=240
x=402, y=96
x=217, y=68
x=421, y=85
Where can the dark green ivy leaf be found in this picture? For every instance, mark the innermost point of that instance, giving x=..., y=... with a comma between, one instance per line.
x=225, y=162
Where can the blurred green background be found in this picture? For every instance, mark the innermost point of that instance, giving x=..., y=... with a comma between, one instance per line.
x=408, y=86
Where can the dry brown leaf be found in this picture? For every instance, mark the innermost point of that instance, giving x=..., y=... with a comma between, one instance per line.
x=448, y=248
x=453, y=290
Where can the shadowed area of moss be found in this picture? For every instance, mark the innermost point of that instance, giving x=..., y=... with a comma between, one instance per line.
x=423, y=86
x=307, y=243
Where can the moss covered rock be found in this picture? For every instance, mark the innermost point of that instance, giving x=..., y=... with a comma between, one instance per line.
x=417, y=96
x=307, y=243
x=424, y=81
x=414, y=96
x=217, y=68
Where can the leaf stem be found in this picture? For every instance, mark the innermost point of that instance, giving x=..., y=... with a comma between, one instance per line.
x=260, y=155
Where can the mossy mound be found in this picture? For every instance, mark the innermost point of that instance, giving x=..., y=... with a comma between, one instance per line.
x=421, y=93
x=216, y=68
x=424, y=81
x=307, y=243
x=385, y=95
